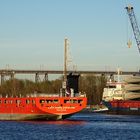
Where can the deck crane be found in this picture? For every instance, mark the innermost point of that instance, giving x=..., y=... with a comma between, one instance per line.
x=134, y=25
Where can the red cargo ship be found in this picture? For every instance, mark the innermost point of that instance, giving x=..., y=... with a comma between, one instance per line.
x=44, y=108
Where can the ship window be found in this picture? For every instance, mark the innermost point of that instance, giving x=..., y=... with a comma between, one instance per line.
x=55, y=100
x=42, y=101
x=18, y=101
x=74, y=101
x=110, y=86
x=80, y=101
x=66, y=101
x=5, y=101
x=49, y=101
x=27, y=101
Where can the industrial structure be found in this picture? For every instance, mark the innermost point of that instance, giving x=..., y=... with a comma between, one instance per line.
x=134, y=24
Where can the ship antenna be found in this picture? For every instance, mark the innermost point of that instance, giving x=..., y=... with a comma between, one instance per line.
x=118, y=75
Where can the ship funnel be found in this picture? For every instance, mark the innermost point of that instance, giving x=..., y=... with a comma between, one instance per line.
x=72, y=82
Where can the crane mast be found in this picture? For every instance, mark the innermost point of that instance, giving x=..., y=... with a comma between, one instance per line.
x=134, y=25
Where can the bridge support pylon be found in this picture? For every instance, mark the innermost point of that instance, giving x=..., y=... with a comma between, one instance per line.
x=37, y=78
x=46, y=77
x=2, y=78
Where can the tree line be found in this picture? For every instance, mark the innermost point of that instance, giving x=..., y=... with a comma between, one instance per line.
x=91, y=85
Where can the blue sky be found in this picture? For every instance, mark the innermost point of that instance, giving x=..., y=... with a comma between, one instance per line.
x=32, y=34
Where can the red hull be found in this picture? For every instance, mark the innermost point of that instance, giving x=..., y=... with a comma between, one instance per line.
x=40, y=107
x=129, y=107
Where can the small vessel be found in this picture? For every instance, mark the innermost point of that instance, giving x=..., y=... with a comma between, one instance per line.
x=123, y=97
x=45, y=107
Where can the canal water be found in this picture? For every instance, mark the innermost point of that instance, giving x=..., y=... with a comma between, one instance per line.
x=89, y=126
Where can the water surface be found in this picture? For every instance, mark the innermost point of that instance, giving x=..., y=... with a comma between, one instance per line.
x=89, y=126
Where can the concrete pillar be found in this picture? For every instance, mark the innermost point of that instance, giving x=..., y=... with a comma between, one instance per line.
x=12, y=75
x=46, y=77
x=37, y=77
x=2, y=79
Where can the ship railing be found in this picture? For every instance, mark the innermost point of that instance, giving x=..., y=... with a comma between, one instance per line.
x=42, y=95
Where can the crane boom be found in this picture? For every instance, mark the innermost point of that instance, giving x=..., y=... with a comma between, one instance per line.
x=134, y=25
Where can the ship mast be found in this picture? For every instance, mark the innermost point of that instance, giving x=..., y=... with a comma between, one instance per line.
x=65, y=62
x=65, y=59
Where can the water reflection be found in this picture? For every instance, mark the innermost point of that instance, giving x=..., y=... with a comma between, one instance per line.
x=61, y=122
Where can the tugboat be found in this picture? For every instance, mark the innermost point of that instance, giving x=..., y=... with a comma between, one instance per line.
x=56, y=107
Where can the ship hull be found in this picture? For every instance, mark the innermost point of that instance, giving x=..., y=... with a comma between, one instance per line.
x=40, y=108
x=121, y=107
x=27, y=117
